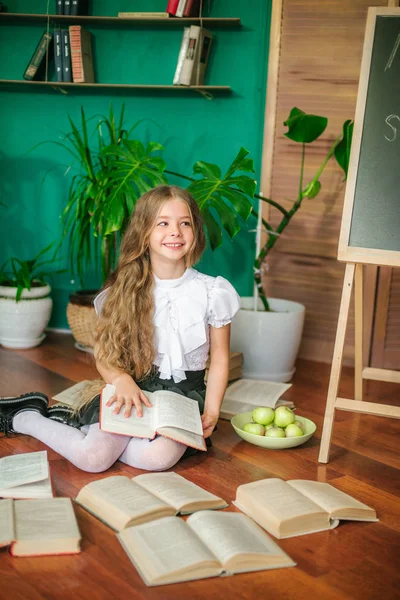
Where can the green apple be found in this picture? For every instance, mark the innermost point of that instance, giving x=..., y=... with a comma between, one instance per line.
x=283, y=416
x=293, y=430
x=263, y=415
x=299, y=424
x=275, y=432
x=254, y=428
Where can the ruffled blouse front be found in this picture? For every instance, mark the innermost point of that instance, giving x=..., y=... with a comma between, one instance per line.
x=184, y=310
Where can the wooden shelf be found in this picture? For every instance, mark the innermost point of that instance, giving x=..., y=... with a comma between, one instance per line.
x=168, y=22
x=128, y=86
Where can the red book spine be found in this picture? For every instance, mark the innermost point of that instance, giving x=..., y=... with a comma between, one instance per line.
x=172, y=6
x=76, y=53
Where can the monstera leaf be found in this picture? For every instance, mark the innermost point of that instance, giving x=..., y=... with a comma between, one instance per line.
x=132, y=171
x=304, y=128
x=222, y=199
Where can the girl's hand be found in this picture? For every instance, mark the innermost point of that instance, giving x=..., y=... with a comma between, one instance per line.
x=128, y=394
x=208, y=421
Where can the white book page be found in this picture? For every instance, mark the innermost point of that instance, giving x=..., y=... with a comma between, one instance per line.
x=52, y=519
x=184, y=437
x=20, y=469
x=7, y=530
x=274, y=497
x=73, y=394
x=173, y=489
x=230, y=534
x=174, y=410
x=326, y=496
x=133, y=425
x=164, y=546
x=37, y=489
x=254, y=393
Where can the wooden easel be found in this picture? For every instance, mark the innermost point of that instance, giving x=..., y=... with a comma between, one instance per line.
x=359, y=252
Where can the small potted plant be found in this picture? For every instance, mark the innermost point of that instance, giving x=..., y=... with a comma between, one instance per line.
x=25, y=303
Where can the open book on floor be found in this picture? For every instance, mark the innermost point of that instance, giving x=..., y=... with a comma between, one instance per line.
x=25, y=476
x=207, y=544
x=73, y=395
x=246, y=394
x=39, y=527
x=121, y=502
x=171, y=415
x=289, y=508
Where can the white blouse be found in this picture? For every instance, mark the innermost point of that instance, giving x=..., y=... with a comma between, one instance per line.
x=184, y=310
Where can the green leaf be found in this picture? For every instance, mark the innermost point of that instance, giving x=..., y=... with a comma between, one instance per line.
x=312, y=190
x=213, y=230
x=304, y=128
x=342, y=150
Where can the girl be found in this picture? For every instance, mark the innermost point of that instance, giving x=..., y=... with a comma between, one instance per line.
x=158, y=321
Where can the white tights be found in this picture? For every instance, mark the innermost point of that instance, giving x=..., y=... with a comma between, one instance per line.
x=97, y=450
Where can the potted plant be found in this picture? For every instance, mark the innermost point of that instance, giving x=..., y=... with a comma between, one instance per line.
x=25, y=303
x=268, y=331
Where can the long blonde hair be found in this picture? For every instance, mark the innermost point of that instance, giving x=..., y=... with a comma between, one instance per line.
x=125, y=332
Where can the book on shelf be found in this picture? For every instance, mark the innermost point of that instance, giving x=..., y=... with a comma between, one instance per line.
x=38, y=57
x=289, y=508
x=66, y=55
x=79, y=7
x=59, y=7
x=121, y=502
x=207, y=544
x=25, y=476
x=196, y=58
x=39, y=527
x=192, y=8
x=143, y=15
x=172, y=7
x=67, y=7
x=171, y=415
x=180, y=9
x=58, y=55
x=81, y=54
x=181, y=55
x=247, y=394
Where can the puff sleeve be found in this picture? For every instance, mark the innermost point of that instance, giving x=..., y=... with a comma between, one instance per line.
x=224, y=302
x=99, y=301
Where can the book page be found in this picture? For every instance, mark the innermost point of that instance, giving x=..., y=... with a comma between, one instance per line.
x=133, y=425
x=327, y=496
x=184, y=437
x=165, y=546
x=253, y=393
x=52, y=519
x=231, y=534
x=174, y=489
x=174, y=410
x=20, y=469
x=72, y=395
x=37, y=489
x=118, y=499
x=7, y=529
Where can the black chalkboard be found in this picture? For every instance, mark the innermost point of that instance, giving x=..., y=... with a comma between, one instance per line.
x=375, y=220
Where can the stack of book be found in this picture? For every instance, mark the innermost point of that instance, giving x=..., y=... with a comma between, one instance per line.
x=193, y=56
x=235, y=366
x=72, y=7
x=183, y=8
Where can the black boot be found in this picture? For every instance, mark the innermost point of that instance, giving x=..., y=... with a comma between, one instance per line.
x=64, y=414
x=9, y=407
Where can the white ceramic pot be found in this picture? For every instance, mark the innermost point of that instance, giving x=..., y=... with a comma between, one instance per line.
x=22, y=323
x=269, y=341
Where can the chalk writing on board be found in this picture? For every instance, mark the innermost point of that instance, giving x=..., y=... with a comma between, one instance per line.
x=392, y=127
x=393, y=53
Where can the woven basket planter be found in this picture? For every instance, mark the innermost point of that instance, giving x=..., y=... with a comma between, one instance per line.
x=82, y=318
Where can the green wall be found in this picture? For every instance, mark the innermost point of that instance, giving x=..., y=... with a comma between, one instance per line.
x=190, y=127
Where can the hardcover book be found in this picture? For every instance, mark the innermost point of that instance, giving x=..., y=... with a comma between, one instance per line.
x=171, y=415
x=38, y=56
x=208, y=544
x=66, y=55
x=289, y=508
x=39, y=527
x=58, y=55
x=81, y=54
x=25, y=476
x=121, y=502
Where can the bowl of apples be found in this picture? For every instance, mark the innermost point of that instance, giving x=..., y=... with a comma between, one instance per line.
x=274, y=429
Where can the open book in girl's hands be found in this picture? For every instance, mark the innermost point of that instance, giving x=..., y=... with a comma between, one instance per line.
x=171, y=415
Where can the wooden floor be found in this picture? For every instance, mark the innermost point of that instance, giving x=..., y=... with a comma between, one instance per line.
x=354, y=561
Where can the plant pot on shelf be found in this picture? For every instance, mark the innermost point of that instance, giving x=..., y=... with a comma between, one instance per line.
x=22, y=323
x=82, y=318
x=269, y=341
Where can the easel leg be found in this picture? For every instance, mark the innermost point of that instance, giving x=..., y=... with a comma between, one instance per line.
x=358, y=331
x=336, y=363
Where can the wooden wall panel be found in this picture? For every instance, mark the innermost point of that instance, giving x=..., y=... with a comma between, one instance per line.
x=320, y=57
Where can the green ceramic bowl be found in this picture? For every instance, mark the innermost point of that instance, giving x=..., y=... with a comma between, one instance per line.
x=240, y=420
